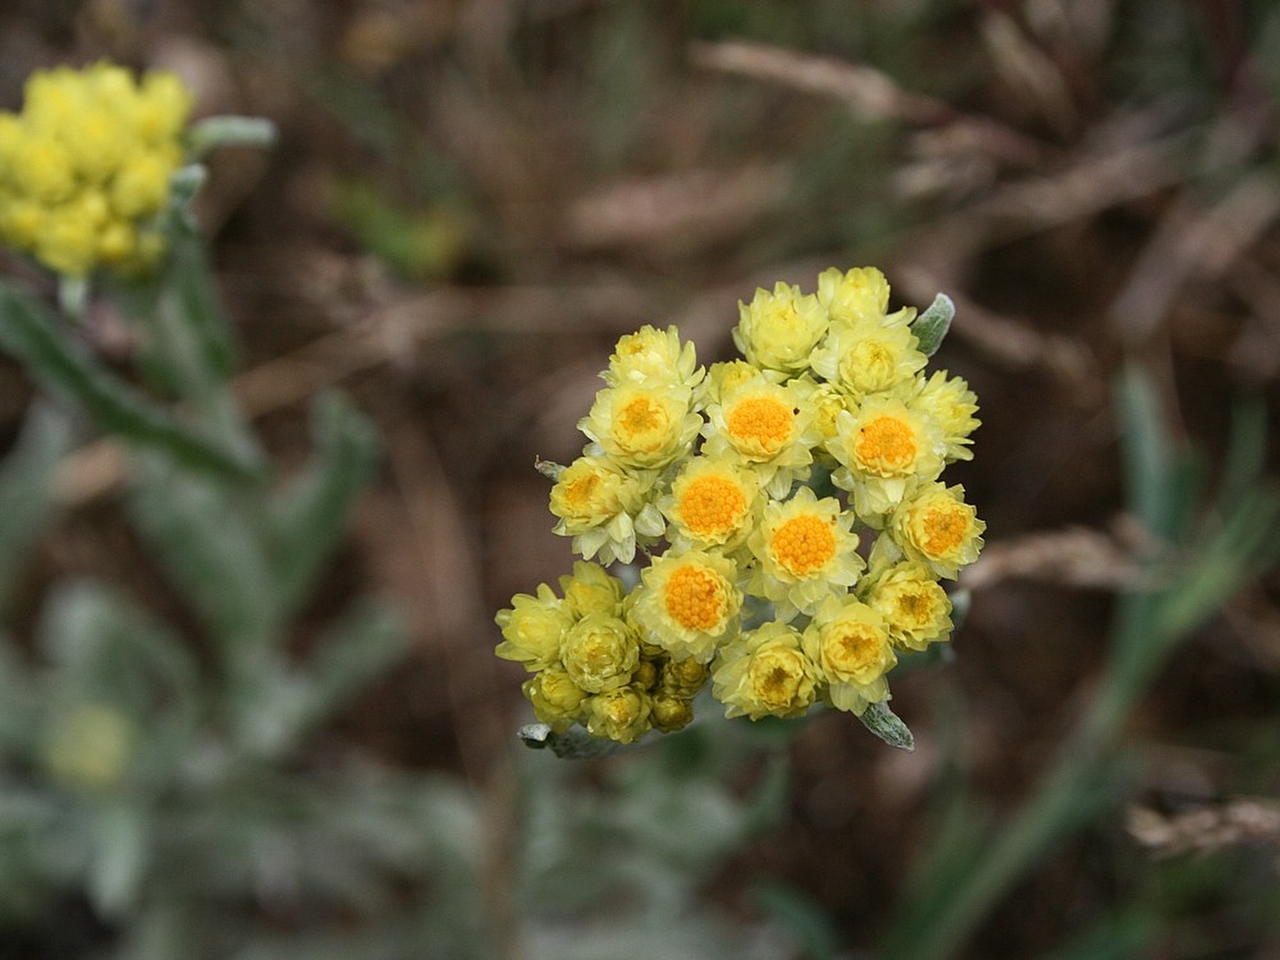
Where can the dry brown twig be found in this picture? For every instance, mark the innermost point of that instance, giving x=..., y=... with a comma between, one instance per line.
x=1206, y=829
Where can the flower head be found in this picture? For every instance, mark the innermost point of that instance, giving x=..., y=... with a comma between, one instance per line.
x=642, y=425
x=621, y=715
x=652, y=356
x=599, y=652
x=767, y=426
x=711, y=503
x=804, y=551
x=604, y=509
x=765, y=672
x=778, y=330
x=849, y=642
x=85, y=167
x=950, y=404
x=937, y=528
x=916, y=610
x=688, y=603
x=533, y=628
x=556, y=700
x=884, y=449
x=866, y=356
x=858, y=294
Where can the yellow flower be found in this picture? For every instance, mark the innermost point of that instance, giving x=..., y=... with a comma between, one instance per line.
x=949, y=403
x=849, y=642
x=765, y=673
x=90, y=140
x=533, y=629
x=642, y=426
x=937, y=528
x=652, y=356
x=599, y=652
x=557, y=701
x=884, y=449
x=603, y=508
x=621, y=715
x=727, y=376
x=683, y=678
x=804, y=552
x=767, y=426
x=670, y=712
x=859, y=294
x=779, y=330
x=916, y=610
x=867, y=356
x=89, y=746
x=711, y=504
x=590, y=589
x=688, y=603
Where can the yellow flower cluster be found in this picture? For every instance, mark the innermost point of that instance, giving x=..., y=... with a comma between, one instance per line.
x=85, y=167
x=790, y=509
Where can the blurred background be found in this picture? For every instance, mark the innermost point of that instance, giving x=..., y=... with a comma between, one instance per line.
x=468, y=203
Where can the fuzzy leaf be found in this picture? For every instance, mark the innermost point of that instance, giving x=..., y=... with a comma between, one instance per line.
x=886, y=725
x=931, y=326
x=62, y=366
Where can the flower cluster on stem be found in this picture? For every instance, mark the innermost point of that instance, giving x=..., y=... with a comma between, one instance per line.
x=786, y=512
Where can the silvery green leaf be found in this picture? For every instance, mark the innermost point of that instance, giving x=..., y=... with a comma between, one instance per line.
x=230, y=131
x=886, y=725
x=573, y=744
x=931, y=326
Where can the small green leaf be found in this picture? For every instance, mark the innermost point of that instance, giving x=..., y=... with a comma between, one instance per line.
x=306, y=520
x=62, y=366
x=574, y=744
x=931, y=326
x=886, y=725
x=229, y=131
x=25, y=505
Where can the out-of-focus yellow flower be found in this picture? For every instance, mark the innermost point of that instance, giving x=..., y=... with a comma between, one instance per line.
x=85, y=168
x=683, y=678
x=711, y=504
x=556, y=700
x=804, y=552
x=937, y=528
x=765, y=672
x=916, y=610
x=590, y=589
x=858, y=294
x=766, y=426
x=621, y=715
x=670, y=713
x=949, y=403
x=849, y=642
x=599, y=652
x=603, y=508
x=651, y=356
x=778, y=330
x=642, y=426
x=89, y=746
x=884, y=450
x=533, y=629
x=688, y=603
x=867, y=356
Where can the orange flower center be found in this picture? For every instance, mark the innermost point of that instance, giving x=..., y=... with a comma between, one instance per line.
x=804, y=544
x=944, y=529
x=763, y=422
x=887, y=443
x=696, y=598
x=641, y=416
x=580, y=490
x=712, y=505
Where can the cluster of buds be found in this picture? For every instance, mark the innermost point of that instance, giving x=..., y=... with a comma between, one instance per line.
x=787, y=508
x=85, y=167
